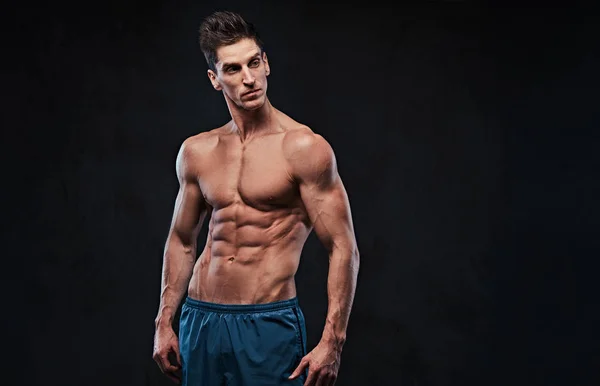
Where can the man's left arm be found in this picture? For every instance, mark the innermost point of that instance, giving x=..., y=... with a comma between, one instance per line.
x=313, y=165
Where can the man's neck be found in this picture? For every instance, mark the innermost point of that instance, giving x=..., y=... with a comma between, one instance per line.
x=249, y=123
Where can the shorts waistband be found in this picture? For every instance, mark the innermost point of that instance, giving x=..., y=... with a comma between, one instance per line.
x=241, y=308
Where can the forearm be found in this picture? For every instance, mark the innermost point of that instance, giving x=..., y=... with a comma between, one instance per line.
x=341, y=286
x=178, y=265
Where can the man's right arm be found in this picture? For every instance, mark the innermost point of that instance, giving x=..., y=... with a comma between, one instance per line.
x=180, y=248
x=178, y=260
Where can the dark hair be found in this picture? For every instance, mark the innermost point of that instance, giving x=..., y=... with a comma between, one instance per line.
x=223, y=28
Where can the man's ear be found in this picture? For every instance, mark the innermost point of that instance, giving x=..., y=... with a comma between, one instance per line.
x=213, y=79
x=266, y=60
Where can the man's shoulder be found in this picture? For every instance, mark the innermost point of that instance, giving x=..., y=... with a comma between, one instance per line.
x=307, y=153
x=303, y=141
x=193, y=151
x=201, y=143
x=296, y=133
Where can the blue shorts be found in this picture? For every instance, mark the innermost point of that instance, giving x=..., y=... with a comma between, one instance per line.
x=241, y=344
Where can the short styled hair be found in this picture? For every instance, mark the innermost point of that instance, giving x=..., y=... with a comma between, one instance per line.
x=224, y=28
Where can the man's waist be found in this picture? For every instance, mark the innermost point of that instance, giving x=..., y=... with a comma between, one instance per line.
x=227, y=307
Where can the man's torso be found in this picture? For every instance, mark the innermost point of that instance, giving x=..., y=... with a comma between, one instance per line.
x=258, y=224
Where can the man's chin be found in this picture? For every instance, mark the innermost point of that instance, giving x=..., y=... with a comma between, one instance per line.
x=253, y=104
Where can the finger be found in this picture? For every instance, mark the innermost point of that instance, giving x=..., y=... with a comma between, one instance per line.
x=326, y=379
x=322, y=379
x=167, y=366
x=157, y=358
x=177, y=354
x=311, y=380
x=333, y=380
x=174, y=377
x=303, y=364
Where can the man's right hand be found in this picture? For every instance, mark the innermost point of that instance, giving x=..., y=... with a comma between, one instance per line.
x=166, y=344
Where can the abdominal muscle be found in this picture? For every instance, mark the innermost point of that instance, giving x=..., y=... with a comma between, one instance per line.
x=250, y=256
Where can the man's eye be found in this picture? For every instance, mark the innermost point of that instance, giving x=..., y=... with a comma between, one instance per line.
x=254, y=63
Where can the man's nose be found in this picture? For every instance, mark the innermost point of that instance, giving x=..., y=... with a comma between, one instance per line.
x=248, y=78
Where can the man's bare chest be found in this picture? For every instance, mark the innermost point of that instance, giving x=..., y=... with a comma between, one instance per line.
x=255, y=174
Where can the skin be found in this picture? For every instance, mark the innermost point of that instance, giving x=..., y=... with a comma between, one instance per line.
x=265, y=182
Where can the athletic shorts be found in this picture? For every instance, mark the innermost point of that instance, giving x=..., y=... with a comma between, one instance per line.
x=241, y=344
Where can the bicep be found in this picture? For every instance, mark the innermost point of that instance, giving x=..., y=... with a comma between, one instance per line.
x=189, y=212
x=322, y=192
x=190, y=206
x=328, y=208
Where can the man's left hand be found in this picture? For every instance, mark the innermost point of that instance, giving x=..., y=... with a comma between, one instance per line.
x=323, y=363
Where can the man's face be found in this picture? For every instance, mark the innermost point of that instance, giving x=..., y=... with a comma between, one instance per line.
x=242, y=74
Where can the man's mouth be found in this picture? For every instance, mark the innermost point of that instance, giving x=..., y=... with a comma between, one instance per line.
x=251, y=92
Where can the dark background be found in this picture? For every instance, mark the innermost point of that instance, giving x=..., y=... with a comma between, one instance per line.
x=465, y=136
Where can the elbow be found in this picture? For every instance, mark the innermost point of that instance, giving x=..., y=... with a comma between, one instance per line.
x=346, y=254
x=352, y=258
x=355, y=259
x=181, y=243
x=179, y=238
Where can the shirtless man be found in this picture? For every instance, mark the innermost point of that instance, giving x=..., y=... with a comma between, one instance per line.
x=264, y=181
